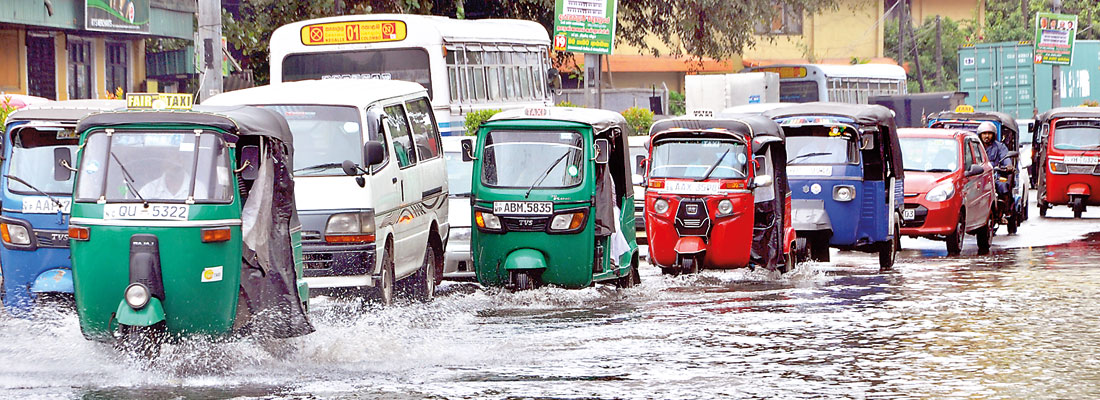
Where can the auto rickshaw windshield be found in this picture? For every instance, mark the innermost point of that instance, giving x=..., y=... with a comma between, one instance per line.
x=1076, y=135
x=692, y=158
x=31, y=156
x=930, y=154
x=324, y=136
x=132, y=166
x=821, y=144
x=526, y=159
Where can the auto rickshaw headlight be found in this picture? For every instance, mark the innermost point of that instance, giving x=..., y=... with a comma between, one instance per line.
x=15, y=234
x=137, y=296
x=487, y=221
x=941, y=192
x=567, y=222
x=1058, y=167
x=660, y=206
x=353, y=227
x=844, y=193
x=725, y=207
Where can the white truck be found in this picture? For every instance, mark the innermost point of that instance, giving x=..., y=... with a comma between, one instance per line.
x=720, y=91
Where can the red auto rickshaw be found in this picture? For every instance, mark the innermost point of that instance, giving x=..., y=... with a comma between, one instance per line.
x=717, y=195
x=1068, y=146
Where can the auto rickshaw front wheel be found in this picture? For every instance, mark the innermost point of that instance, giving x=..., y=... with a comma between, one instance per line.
x=521, y=279
x=888, y=249
x=632, y=278
x=1078, y=204
x=141, y=341
x=819, y=248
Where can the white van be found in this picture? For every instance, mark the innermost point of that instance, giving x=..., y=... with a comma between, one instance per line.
x=370, y=182
x=638, y=153
x=459, y=262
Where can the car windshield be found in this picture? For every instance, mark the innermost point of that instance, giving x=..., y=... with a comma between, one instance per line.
x=930, y=154
x=525, y=159
x=324, y=136
x=821, y=144
x=1076, y=135
x=131, y=166
x=32, y=160
x=458, y=174
x=692, y=158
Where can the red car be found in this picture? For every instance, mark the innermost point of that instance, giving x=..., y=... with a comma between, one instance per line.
x=949, y=189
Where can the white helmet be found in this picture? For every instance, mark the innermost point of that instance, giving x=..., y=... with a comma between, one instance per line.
x=987, y=126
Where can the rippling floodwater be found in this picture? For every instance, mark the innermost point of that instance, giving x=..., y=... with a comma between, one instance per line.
x=1020, y=323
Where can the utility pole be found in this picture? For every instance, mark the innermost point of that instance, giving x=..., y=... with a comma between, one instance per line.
x=901, y=33
x=1056, y=70
x=939, y=53
x=209, y=47
x=916, y=49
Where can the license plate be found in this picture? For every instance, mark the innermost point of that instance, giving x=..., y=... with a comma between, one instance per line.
x=688, y=187
x=1091, y=160
x=908, y=214
x=174, y=212
x=810, y=170
x=523, y=207
x=43, y=205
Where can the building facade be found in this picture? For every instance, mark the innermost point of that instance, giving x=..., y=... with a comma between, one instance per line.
x=84, y=49
x=853, y=31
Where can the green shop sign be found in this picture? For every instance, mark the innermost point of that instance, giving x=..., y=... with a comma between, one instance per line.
x=117, y=15
x=584, y=26
x=1054, y=35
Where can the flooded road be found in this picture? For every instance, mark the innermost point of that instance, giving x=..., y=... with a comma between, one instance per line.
x=1021, y=322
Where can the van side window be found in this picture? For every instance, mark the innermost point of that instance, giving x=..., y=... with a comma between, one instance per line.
x=398, y=126
x=423, y=128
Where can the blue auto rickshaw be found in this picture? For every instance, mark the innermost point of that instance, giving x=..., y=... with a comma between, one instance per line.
x=36, y=195
x=846, y=177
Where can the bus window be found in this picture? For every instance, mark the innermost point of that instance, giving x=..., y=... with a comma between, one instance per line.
x=798, y=91
x=386, y=64
x=524, y=81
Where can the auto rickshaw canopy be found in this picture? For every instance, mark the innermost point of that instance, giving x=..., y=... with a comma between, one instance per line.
x=69, y=110
x=1009, y=129
x=865, y=115
x=1069, y=112
x=235, y=120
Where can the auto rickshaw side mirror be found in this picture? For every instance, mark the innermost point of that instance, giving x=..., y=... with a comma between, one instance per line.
x=375, y=152
x=762, y=181
x=759, y=162
x=250, y=162
x=975, y=170
x=467, y=150
x=1031, y=127
x=867, y=141
x=647, y=145
x=603, y=151
x=62, y=159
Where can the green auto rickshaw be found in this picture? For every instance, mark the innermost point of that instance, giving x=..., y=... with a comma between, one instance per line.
x=552, y=199
x=183, y=223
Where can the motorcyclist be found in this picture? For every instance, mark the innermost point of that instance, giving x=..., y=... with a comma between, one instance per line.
x=997, y=152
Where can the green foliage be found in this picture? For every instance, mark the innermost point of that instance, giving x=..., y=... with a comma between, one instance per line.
x=937, y=78
x=474, y=119
x=5, y=110
x=676, y=103
x=639, y=119
x=566, y=103
x=1006, y=22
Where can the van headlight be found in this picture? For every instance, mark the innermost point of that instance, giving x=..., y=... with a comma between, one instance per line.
x=137, y=295
x=660, y=206
x=353, y=227
x=844, y=193
x=941, y=192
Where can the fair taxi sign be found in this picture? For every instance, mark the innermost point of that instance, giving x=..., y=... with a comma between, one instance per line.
x=159, y=101
x=349, y=32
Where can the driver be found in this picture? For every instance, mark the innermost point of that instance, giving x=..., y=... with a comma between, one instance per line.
x=997, y=152
x=170, y=185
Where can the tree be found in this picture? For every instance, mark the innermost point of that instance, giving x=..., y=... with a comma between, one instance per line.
x=937, y=77
x=1005, y=21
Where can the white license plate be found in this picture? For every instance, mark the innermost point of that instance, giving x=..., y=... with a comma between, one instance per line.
x=175, y=212
x=688, y=187
x=523, y=207
x=908, y=214
x=43, y=205
x=809, y=170
x=1082, y=160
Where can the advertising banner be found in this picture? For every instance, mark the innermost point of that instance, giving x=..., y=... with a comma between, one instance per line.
x=131, y=16
x=584, y=26
x=1054, y=34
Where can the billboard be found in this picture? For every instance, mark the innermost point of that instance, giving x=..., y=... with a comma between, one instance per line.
x=584, y=26
x=130, y=16
x=1054, y=35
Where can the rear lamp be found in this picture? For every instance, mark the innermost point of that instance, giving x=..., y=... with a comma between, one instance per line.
x=211, y=235
x=137, y=296
x=15, y=234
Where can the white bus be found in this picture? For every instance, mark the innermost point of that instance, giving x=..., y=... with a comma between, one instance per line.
x=466, y=65
x=802, y=83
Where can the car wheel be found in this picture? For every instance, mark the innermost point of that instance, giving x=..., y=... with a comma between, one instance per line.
x=985, y=234
x=955, y=239
x=423, y=283
x=384, y=291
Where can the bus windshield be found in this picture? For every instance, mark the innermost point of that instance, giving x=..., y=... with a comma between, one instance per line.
x=32, y=160
x=686, y=158
x=131, y=166
x=930, y=154
x=386, y=64
x=324, y=136
x=532, y=159
x=798, y=91
x=820, y=144
x=1076, y=135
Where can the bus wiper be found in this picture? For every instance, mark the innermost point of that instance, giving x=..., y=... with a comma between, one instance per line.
x=713, y=166
x=545, y=174
x=25, y=183
x=129, y=180
x=320, y=166
x=808, y=155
